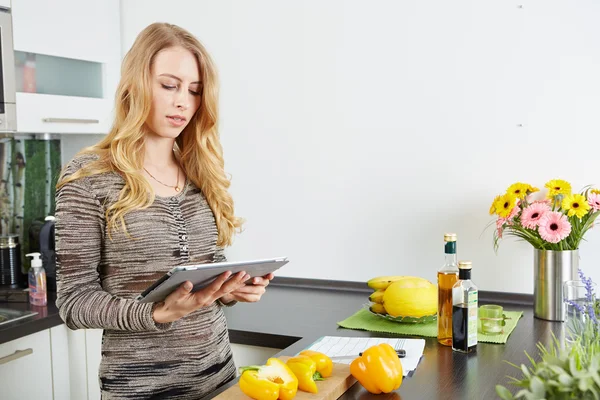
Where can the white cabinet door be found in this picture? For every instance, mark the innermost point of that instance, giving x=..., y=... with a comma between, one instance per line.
x=79, y=29
x=77, y=364
x=43, y=113
x=59, y=345
x=93, y=349
x=26, y=368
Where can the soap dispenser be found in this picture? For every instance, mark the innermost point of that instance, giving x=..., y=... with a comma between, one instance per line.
x=37, y=281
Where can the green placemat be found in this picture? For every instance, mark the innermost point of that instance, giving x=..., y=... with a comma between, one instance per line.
x=367, y=321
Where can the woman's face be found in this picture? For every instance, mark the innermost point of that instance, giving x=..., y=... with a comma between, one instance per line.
x=176, y=91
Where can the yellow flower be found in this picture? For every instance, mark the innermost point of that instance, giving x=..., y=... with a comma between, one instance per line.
x=558, y=186
x=493, y=206
x=521, y=190
x=575, y=204
x=504, y=204
x=595, y=191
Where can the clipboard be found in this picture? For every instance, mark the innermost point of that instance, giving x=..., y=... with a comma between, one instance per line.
x=201, y=275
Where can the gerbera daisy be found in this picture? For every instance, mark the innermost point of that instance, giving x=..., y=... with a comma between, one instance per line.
x=504, y=205
x=530, y=218
x=594, y=201
x=493, y=206
x=554, y=227
x=500, y=226
x=520, y=190
x=575, y=204
x=558, y=186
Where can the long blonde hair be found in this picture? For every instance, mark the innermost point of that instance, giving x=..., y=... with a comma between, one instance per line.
x=198, y=147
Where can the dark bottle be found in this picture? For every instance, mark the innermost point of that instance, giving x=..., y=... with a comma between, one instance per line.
x=464, y=310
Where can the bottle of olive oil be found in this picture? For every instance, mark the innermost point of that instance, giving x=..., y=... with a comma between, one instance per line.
x=446, y=277
x=464, y=310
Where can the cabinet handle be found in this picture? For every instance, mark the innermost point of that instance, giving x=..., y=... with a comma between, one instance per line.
x=16, y=355
x=72, y=120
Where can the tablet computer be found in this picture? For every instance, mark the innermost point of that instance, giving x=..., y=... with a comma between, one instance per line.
x=202, y=275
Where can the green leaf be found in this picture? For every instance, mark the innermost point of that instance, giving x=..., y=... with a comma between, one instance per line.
x=525, y=371
x=503, y=393
x=565, y=379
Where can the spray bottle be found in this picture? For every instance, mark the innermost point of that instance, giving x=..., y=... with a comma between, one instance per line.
x=37, y=281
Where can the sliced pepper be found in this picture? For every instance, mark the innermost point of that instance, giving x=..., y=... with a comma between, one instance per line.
x=272, y=381
x=324, y=363
x=378, y=369
x=305, y=369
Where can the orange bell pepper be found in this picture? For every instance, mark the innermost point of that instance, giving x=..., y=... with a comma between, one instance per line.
x=324, y=363
x=272, y=381
x=378, y=369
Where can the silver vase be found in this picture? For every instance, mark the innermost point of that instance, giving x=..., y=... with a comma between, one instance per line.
x=551, y=270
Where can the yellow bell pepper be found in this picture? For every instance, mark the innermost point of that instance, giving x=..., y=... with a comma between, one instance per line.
x=271, y=381
x=378, y=369
x=324, y=363
x=305, y=369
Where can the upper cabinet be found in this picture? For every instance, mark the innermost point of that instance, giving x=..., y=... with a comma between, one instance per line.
x=67, y=64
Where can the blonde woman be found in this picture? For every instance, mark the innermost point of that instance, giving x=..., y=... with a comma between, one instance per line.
x=150, y=196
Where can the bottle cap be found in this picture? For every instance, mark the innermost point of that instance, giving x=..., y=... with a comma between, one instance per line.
x=450, y=237
x=465, y=265
x=36, y=261
x=50, y=218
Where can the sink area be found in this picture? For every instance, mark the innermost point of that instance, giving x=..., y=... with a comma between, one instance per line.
x=7, y=316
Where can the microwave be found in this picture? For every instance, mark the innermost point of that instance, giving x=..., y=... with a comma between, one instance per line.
x=8, y=108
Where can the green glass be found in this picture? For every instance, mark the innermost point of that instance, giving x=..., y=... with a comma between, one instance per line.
x=491, y=319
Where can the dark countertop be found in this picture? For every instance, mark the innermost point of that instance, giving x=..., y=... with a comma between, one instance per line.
x=286, y=313
x=293, y=313
x=46, y=318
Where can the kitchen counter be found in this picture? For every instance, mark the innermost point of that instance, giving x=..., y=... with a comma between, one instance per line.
x=289, y=311
x=294, y=313
x=46, y=318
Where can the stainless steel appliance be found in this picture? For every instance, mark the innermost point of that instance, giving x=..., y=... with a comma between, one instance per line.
x=8, y=109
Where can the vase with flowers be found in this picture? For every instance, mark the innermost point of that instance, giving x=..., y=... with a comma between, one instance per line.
x=554, y=222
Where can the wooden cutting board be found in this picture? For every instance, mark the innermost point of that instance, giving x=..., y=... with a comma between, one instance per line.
x=329, y=389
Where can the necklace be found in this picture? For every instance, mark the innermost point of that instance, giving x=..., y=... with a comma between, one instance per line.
x=176, y=187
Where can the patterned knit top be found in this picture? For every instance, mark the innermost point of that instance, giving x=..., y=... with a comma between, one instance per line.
x=99, y=278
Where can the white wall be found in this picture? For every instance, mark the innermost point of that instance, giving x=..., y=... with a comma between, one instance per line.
x=72, y=144
x=358, y=132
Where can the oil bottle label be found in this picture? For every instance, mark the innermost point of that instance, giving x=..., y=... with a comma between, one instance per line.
x=472, y=319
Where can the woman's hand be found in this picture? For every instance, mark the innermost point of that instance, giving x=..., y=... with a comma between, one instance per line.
x=250, y=292
x=182, y=302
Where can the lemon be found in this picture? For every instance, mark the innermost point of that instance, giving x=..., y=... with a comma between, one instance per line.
x=411, y=297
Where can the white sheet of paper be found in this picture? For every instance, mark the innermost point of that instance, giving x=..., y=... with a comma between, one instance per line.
x=335, y=346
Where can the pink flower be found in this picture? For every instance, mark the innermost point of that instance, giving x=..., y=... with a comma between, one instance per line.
x=554, y=227
x=513, y=213
x=530, y=218
x=594, y=201
x=499, y=223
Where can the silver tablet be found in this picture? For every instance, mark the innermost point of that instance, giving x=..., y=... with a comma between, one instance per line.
x=202, y=275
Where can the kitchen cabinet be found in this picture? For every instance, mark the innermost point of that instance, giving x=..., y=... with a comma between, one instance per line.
x=93, y=355
x=26, y=368
x=59, y=350
x=67, y=64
